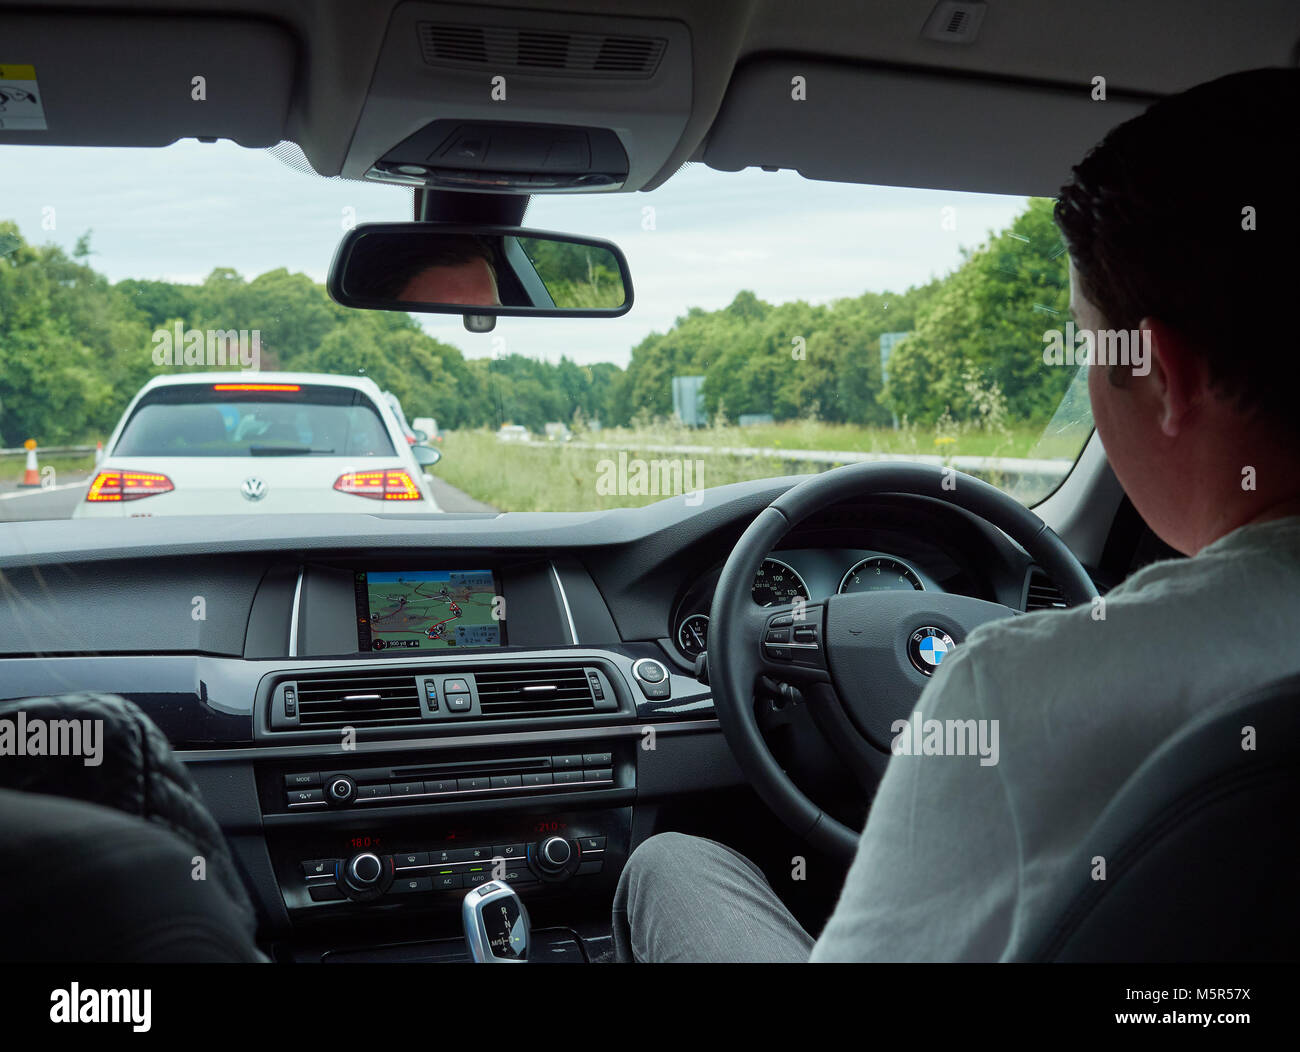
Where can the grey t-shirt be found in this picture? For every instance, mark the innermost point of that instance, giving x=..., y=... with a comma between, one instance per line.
x=958, y=857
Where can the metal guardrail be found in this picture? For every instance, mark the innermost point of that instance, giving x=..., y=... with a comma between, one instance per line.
x=1052, y=469
x=21, y=451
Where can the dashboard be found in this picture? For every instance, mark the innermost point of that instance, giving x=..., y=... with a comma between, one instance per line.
x=445, y=684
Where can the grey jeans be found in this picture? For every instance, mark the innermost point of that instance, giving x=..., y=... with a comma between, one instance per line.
x=684, y=899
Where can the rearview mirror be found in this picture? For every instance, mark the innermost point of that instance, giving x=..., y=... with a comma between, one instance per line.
x=487, y=271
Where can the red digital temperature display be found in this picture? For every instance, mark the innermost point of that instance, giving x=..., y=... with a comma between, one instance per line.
x=363, y=842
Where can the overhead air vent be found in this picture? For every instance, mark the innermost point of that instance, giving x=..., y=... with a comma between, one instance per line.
x=535, y=692
x=955, y=21
x=502, y=49
x=360, y=699
x=1043, y=594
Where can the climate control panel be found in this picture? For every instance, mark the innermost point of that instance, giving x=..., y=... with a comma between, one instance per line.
x=408, y=866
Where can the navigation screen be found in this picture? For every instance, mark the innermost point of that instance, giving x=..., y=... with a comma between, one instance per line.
x=428, y=610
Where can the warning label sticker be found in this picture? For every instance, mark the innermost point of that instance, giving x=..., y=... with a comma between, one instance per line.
x=20, y=99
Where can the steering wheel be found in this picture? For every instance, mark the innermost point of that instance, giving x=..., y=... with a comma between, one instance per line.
x=859, y=659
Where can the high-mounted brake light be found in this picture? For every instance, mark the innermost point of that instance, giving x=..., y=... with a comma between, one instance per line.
x=127, y=485
x=388, y=484
x=256, y=387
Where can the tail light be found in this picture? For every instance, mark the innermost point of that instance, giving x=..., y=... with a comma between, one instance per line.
x=127, y=485
x=390, y=484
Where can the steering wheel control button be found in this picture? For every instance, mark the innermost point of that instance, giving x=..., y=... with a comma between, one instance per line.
x=341, y=790
x=797, y=640
x=652, y=678
x=927, y=647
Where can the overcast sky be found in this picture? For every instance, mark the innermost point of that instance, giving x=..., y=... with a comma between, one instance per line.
x=178, y=212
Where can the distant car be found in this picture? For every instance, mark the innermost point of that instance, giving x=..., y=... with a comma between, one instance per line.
x=214, y=443
x=408, y=432
x=429, y=426
x=513, y=433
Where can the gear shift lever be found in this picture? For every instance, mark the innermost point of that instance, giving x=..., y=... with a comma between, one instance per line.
x=496, y=924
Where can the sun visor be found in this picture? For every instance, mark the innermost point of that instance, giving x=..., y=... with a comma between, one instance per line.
x=905, y=128
x=71, y=79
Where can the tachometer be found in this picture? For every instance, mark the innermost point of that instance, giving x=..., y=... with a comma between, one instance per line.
x=776, y=584
x=693, y=635
x=880, y=573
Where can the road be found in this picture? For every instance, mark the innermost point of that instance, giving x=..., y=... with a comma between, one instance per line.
x=57, y=502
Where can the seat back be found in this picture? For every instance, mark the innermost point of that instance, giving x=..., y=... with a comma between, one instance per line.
x=1201, y=848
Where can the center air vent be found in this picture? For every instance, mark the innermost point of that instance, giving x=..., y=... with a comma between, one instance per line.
x=362, y=699
x=379, y=698
x=530, y=692
x=503, y=49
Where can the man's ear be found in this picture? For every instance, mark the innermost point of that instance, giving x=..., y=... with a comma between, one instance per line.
x=1178, y=374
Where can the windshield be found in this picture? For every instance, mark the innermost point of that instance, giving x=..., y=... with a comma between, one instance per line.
x=781, y=326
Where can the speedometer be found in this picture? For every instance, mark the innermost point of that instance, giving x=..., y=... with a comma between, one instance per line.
x=880, y=573
x=776, y=584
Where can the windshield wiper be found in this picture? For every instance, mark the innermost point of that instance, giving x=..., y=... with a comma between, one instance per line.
x=285, y=451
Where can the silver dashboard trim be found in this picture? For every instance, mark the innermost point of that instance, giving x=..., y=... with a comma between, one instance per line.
x=568, y=614
x=293, y=616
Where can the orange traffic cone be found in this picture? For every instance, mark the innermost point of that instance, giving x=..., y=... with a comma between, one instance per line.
x=32, y=475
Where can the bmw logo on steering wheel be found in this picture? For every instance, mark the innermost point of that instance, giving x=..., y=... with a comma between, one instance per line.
x=927, y=647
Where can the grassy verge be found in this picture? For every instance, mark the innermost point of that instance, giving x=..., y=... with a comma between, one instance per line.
x=546, y=476
x=74, y=465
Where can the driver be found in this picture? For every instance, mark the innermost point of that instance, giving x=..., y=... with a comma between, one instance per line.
x=1181, y=223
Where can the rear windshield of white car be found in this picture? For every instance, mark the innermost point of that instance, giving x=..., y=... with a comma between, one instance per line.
x=221, y=420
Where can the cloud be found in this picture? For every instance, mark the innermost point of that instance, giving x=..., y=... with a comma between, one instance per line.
x=176, y=213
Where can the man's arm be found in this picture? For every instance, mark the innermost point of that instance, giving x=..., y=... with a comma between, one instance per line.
x=936, y=873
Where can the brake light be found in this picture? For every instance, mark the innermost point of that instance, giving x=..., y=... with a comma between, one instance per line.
x=256, y=387
x=127, y=485
x=390, y=484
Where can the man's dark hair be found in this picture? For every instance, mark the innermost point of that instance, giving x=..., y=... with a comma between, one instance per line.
x=1156, y=221
x=382, y=265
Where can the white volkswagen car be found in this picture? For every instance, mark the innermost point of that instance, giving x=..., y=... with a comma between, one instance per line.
x=214, y=443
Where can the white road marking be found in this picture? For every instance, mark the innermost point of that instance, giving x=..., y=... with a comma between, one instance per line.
x=43, y=489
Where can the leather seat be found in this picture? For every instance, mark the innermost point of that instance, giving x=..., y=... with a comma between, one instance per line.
x=85, y=883
x=1201, y=848
x=115, y=860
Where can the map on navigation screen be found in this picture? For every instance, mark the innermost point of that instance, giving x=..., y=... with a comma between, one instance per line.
x=428, y=610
